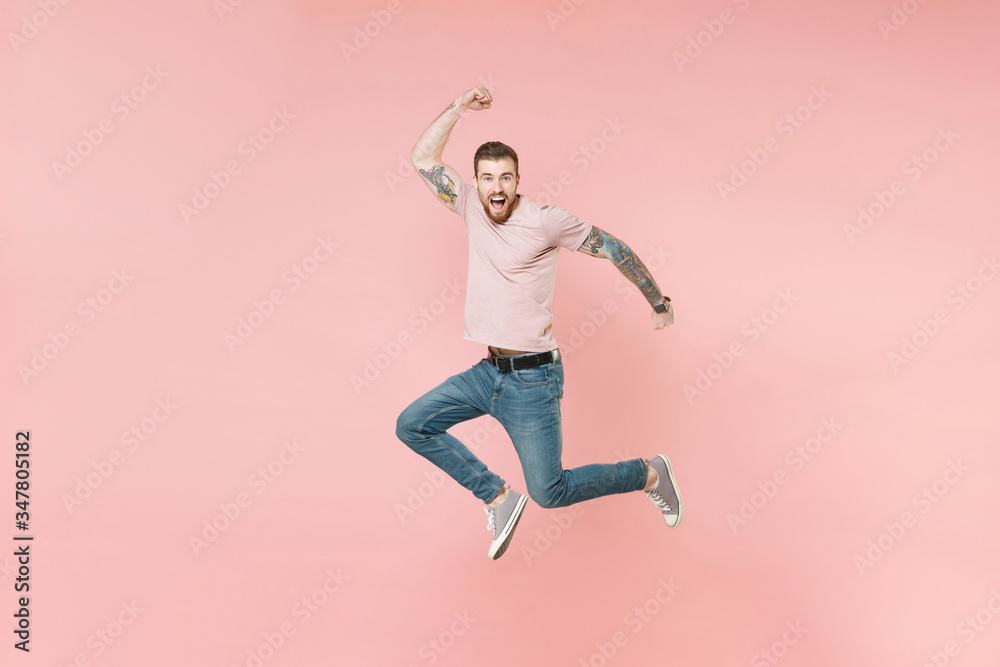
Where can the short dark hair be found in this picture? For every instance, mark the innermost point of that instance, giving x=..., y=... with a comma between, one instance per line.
x=493, y=150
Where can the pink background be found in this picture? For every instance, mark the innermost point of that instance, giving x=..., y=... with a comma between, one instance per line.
x=841, y=547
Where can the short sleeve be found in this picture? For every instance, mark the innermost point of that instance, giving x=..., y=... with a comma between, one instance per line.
x=565, y=229
x=462, y=198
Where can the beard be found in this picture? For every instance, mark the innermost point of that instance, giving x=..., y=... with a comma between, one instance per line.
x=503, y=214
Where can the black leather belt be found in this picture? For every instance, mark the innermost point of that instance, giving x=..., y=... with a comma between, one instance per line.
x=521, y=362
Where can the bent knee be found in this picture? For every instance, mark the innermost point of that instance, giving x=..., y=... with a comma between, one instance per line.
x=546, y=498
x=407, y=425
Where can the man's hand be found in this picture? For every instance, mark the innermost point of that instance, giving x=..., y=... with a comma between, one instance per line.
x=663, y=320
x=476, y=99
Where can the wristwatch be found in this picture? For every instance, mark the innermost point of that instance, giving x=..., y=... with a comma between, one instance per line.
x=662, y=307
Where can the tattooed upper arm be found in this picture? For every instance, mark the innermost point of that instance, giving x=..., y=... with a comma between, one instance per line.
x=597, y=243
x=443, y=181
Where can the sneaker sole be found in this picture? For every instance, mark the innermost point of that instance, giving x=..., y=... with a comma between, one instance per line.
x=499, y=546
x=673, y=483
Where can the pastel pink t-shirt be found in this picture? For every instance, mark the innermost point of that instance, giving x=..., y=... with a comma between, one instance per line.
x=512, y=270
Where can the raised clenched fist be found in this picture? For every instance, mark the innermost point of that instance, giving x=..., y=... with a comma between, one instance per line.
x=476, y=99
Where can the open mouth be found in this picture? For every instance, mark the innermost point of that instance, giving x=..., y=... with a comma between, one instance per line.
x=498, y=203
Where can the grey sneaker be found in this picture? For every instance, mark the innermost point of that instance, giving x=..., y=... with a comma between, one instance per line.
x=503, y=520
x=665, y=495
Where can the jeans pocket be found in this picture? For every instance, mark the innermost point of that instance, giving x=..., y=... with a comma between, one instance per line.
x=532, y=377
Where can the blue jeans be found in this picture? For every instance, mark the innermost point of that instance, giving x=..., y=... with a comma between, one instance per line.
x=526, y=403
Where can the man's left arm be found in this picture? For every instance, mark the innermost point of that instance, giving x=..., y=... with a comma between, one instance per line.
x=601, y=244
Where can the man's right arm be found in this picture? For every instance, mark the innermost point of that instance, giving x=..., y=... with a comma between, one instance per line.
x=443, y=180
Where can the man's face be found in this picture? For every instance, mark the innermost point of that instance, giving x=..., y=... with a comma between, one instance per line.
x=497, y=185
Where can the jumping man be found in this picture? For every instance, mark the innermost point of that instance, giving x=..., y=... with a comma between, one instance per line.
x=513, y=250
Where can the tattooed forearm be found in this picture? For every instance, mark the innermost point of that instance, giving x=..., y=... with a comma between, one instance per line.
x=602, y=244
x=440, y=180
x=633, y=269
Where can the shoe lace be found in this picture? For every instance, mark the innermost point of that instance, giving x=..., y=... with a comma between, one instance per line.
x=491, y=518
x=658, y=500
